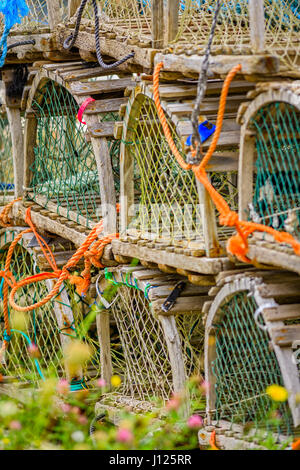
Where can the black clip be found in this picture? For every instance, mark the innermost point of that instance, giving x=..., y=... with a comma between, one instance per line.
x=171, y=300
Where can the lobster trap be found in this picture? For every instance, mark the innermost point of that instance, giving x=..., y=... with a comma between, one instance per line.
x=41, y=15
x=269, y=191
x=242, y=28
x=182, y=27
x=6, y=162
x=161, y=348
x=69, y=164
x=251, y=343
x=49, y=329
x=166, y=215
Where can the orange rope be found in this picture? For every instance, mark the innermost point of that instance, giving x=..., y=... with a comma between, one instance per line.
x=212, y=441
x=237, y=244
x=91, y=250
x=5, y=221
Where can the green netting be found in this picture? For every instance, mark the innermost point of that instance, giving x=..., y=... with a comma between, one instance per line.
x=244, y=367
x=65, y=177
x=146, y=374
x=64, y=173
x=168, y=206
x=276, y=200
x=6, y=161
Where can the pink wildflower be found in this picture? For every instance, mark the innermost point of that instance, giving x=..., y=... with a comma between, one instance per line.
x=195, y=422
x=15, y=425
x=124, y=435
x=63, y=387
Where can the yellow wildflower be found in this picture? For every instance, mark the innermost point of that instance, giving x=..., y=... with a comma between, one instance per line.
x=277, y=393
x=116, y=381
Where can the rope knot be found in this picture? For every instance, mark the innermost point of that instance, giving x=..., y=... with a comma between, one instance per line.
x=7, y=337
x=229, y=219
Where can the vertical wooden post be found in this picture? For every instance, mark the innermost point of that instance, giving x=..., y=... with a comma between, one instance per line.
x=246, y=171
x=54, y=13
x=29, y=146
x=14, y=119
x=157, y=24
x=103, y=329
x=257, y=25
x=209, y=222
x=73, y=6
x=171, y=20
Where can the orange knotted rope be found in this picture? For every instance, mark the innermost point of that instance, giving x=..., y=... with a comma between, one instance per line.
x=237, y=244
x=5, y=221
x=91, y=250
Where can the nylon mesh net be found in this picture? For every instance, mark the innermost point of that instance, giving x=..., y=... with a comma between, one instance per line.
x=168, y=208
x=147, y=375
x=130, y=17
x=37, y=19
x=276, y=198
x=282, y=23
x=64, y=172
x=6, y=161
x=41, y=326
x=244, y=367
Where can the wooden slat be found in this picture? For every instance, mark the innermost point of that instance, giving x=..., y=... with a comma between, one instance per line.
x=283, y=312
x=106, y=106
x=283, y=289
x=102, y=129
x=214, y=87
x=101, y=86
x=182, y=305
x=285, y=336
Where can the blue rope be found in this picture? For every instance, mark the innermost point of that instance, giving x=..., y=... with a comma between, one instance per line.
x=78, y=385
x=13, y=12
x=36, y=362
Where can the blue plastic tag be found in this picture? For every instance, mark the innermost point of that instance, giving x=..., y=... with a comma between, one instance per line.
x=205, y=129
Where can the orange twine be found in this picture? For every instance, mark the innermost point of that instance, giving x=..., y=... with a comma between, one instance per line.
x=91, y=250
x=238, y=243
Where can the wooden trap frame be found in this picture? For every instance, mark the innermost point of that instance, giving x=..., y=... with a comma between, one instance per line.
x=269, y=169
x=50, y=328
x=167, y=217
x=6, y=160
x=69, y=166
x=160, y=350
x=262, y=34
x=251, y=342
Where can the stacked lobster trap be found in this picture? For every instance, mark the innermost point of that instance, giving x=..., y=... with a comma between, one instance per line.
x=269, y=170
x=70, y=165
x=161, y=342
x=95, y=148
x=166, y=216
x=257, y=30
x=48, y=329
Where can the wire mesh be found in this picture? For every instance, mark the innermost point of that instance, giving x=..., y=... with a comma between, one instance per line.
x=276, y=197
x=244, y=366
x=6, y=161
x=168, y=208
x=64, y=172
x=147, y=376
